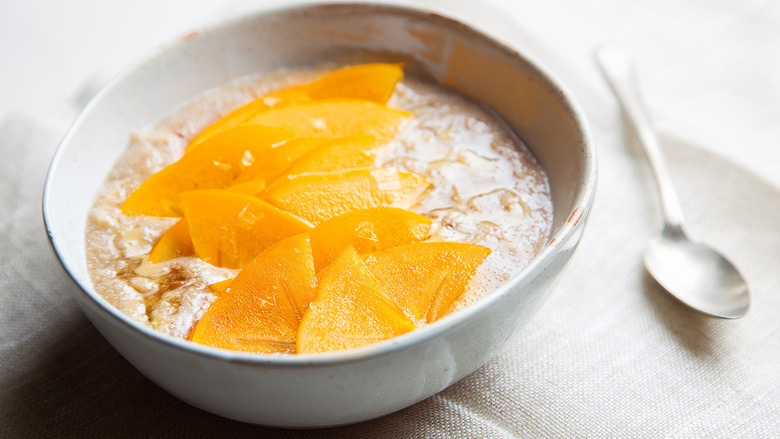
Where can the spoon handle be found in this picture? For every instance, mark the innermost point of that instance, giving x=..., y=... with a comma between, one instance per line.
x=618, y=69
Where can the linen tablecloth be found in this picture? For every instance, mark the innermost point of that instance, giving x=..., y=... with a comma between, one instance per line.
x=610, y=354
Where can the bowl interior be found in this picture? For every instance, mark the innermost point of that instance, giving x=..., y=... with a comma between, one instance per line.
x=532, y=103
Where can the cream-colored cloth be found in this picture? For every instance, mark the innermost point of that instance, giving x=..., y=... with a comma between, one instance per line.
x=610, y=354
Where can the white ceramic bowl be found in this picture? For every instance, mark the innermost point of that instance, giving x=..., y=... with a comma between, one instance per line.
x=346, y=387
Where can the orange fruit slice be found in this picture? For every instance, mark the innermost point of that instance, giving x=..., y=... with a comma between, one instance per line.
x=366, y=230
x=373, y=82
x=278, y=159
x=351, y=310
x=236, y=117
x=333, y=118
x=229, y=229
x=317, y=198
x=426, y=278
x=221, y=288
x=251, y=187
x=261, y=310
x=176, y=242
x=339, y=155
x=213, y=165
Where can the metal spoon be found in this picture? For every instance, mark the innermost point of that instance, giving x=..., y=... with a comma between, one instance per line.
x=696, y=274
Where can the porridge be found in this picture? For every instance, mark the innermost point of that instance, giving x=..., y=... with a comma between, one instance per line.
x=454, y=197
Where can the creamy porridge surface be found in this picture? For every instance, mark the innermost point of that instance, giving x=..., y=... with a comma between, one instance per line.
x=486, y=190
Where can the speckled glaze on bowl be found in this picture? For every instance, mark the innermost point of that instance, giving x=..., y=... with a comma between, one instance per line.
x=347, y=387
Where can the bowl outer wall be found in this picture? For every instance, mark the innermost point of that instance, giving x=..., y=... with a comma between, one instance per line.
x=338, y=388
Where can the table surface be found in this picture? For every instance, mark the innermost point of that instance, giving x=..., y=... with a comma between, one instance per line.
x=609, y=353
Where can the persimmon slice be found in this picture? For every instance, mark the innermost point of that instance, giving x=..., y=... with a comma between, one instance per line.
x=425, y=278
x=213, y=165
x=373, y=82
x=228, y=229
x=176, y=242
x=366, y=230
x=351, y=310
x=251, y=187
x=339, y=155
x=237, y=116
x=333, y=118
x=221, y=288
x=276, y=161
x=317, y=198
x=261, y=310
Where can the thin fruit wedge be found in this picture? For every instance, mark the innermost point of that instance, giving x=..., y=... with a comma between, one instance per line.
x=276, y=161
x=367, y=230
x=333, y=118
x=373, y=82
x=285, y=267
x=238, y=116
x=229, y=229
x=317, y=198
x=351, y=310
x=221, y=288
x=261, y=310
x=427, y=277
x=251, y=187
x=339, y=155
x=176, y=242
x=213, y=165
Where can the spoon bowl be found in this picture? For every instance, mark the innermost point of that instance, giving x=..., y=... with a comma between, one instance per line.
x=697, y=275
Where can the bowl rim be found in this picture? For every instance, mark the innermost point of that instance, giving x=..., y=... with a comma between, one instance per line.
x=583, y=202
